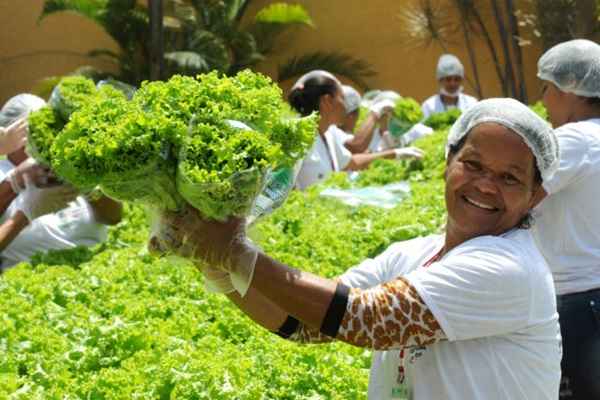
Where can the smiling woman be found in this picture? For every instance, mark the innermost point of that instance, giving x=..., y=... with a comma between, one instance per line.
x=470, y=314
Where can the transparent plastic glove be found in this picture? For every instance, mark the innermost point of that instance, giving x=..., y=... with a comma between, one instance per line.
x=13, y=137
x=382, y=107
x=40, y=175
x=35, y=202
x=216, y=280
x=408, y=153
x=220, y=245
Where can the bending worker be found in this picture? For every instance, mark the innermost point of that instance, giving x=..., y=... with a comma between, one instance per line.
x=450, y=74
x=466, y=315
x=38, y=219
x=319, y=91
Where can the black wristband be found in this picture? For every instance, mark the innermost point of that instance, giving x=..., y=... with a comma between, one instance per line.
x=335, y=312
x=289, y=327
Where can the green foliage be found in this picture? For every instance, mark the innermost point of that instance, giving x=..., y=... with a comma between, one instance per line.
x=70, y=94
x=112, y=322
x=407, y=112
x=443, y=120
x=540, y=110
x=221, y=168
x=44, y=127
x=125, y=21
x=283, y=13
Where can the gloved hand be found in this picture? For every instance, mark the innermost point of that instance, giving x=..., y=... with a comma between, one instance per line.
x=40, y=175
x=382, y=107
x=210, y=244
x=35, y=202
x=404, y=153
x=216, y=280
x=13, y=137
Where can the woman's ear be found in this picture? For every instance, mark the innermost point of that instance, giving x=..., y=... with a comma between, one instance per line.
x=539, y=194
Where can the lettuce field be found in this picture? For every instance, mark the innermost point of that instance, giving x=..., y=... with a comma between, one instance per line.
x=113, y=322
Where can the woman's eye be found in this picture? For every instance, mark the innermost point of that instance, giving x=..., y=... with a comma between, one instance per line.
x=472, y=165
x=511, y=180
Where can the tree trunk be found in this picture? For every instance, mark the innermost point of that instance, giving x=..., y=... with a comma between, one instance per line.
x=470, y=50
x=514, y=29
x=156, y=39
x=509, y=76
x=490, y=44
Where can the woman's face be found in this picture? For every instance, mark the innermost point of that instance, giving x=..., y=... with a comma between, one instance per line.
x=332, y=107
x=556, y=103
x=490, y=183
x=350, y=122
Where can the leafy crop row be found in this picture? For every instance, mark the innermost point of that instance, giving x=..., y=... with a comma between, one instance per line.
x=113, y=322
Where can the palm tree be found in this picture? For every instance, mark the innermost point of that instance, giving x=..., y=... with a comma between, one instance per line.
x=201, y=35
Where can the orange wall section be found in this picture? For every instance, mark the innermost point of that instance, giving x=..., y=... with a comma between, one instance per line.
x=369, y=30
x=30, y=51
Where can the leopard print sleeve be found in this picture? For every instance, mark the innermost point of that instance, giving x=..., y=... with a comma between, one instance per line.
x=389, y=316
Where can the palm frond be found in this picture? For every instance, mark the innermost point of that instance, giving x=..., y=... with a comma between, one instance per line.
x=357, y=70
x=188, y=62
x=104, y=53
x=91, y=9
x=425, y=23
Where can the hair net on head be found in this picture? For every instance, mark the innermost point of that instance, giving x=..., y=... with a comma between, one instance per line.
x=375, y=96
x=351, y=98
x=535, y=132
x=449, y=65
x=573, y=66
x=18, y=106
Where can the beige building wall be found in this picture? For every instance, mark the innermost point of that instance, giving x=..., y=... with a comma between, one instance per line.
x=373, y=30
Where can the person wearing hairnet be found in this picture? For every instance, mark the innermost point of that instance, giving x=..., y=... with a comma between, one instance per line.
x=369, y=134
x=567, y=229
x=450, y=74
x=466, y=315
x=320, y=91
x=38, y=213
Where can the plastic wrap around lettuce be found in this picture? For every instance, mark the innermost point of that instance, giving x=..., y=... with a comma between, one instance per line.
x=240, y=133
x=407, y=113
x=70, y=94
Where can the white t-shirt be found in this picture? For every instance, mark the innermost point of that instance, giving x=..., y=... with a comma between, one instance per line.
x=494, y=298
x=434, y=104
x=323, y=159
x=567, y=222
x=68, y=228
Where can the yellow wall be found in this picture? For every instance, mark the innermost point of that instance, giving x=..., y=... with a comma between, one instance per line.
x=370, y=30
x=30, y=51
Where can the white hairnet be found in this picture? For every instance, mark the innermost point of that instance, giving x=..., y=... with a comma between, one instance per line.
x=449, y=65
x=573, y=66
x=375, y=96
x=536, y=133
x=351, y=98
x=18, y=106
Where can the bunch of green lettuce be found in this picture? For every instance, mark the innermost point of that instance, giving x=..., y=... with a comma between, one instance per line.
x=111, y=142
x=443, y=120
x=70, y=94
x=223, y=164
x=406, y=114
x=44, y=127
